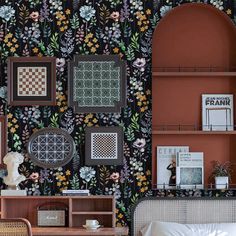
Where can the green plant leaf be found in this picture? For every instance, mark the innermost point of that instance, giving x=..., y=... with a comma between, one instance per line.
x=134, y=42
x=54, y=42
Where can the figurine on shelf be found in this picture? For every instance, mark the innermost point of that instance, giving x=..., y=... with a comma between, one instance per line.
x=172, y=168
x=13, y=178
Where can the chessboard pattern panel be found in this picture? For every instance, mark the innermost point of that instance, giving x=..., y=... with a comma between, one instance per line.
x=104, y=146
x=96, y=84
x=32, y=81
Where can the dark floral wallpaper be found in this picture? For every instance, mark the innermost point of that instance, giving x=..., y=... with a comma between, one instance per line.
x=62, y=28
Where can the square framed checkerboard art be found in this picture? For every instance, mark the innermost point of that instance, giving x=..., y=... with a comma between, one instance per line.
x=104, y=146
x=31, y=81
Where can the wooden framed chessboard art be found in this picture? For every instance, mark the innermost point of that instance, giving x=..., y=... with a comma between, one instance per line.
x=32, y=81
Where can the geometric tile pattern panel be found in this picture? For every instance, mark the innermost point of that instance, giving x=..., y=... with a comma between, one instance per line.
x=104, y=146
x=32, y=81
x=51, y=147
x=96, y=83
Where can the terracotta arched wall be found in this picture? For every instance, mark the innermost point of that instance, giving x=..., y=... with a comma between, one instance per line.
x=194, y=35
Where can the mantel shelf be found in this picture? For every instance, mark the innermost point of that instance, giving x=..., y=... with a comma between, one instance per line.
x=192, y=132
x=191, y=73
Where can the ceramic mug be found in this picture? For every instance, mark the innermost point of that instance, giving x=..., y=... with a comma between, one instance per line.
x=92, y=223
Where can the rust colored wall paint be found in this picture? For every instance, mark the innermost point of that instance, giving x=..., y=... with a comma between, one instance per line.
x=215, y=147
x=194, y=34
x=177, y=100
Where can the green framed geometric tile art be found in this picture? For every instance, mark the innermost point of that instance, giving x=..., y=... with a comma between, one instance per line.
x=97, y=83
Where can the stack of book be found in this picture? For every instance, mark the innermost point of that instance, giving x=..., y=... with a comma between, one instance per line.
x=75, y=192
x=177, y=167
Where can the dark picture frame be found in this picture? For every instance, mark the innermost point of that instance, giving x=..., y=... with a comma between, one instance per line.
x=51, y=147
x=97, y=83
x=32, y=81
x=3, y=137
x=101, y=142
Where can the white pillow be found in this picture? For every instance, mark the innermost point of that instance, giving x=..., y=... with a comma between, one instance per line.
x=157, y=228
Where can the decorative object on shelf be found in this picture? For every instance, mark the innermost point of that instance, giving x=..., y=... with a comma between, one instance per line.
x=13, y=178
x=75, y=192
x=97, y=83
x=166, y=165
x=190, y=170
x=52, y=214
x=222, y=174
x=217, y=112
x=104, y=145
x=91, y=224
x=51, y=147
x=31, y=81
x=3, y=138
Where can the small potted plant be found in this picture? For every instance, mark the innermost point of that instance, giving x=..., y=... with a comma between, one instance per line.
x=222, y=174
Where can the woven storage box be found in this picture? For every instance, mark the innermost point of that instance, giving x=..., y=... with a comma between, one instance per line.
x=52, y=214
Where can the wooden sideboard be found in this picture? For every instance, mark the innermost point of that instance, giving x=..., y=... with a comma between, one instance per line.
x=80, y=208
x=58, y=231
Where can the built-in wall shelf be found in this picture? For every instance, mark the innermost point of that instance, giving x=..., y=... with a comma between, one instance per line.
x=92, y=213
x=191, y=58
x=156, y=74
x=191, y=132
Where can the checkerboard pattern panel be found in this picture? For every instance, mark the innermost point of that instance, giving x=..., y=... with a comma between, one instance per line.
x=104, y=146
x=32, y=81
x=96, y=84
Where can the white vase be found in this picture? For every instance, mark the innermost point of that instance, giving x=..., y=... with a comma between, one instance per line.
x=222, y=182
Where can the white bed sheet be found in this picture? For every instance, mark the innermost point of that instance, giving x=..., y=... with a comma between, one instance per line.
x=157, y=228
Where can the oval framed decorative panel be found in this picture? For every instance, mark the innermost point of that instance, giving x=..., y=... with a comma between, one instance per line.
x=51, y=147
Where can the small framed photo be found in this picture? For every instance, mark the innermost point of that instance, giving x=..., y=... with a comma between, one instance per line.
x=32, y=81
x=104, y=146
x=3, y=137
x=97, y=83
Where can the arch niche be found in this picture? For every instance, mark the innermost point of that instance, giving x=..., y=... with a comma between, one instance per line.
x=193, y=53
x=194, y=35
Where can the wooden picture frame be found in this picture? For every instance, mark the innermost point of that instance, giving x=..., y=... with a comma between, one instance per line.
x=32, y=81
x=104, y=146
x=97, y=83
x=3, y=137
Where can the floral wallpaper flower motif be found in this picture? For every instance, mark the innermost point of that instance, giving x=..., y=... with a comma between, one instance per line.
x=6, y=12
x=87, y=12
x=62, y=28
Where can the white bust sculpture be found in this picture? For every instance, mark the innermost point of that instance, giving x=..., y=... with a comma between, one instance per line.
x=13, y=178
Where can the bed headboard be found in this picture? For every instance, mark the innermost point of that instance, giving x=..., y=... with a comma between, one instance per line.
x=183, y=210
